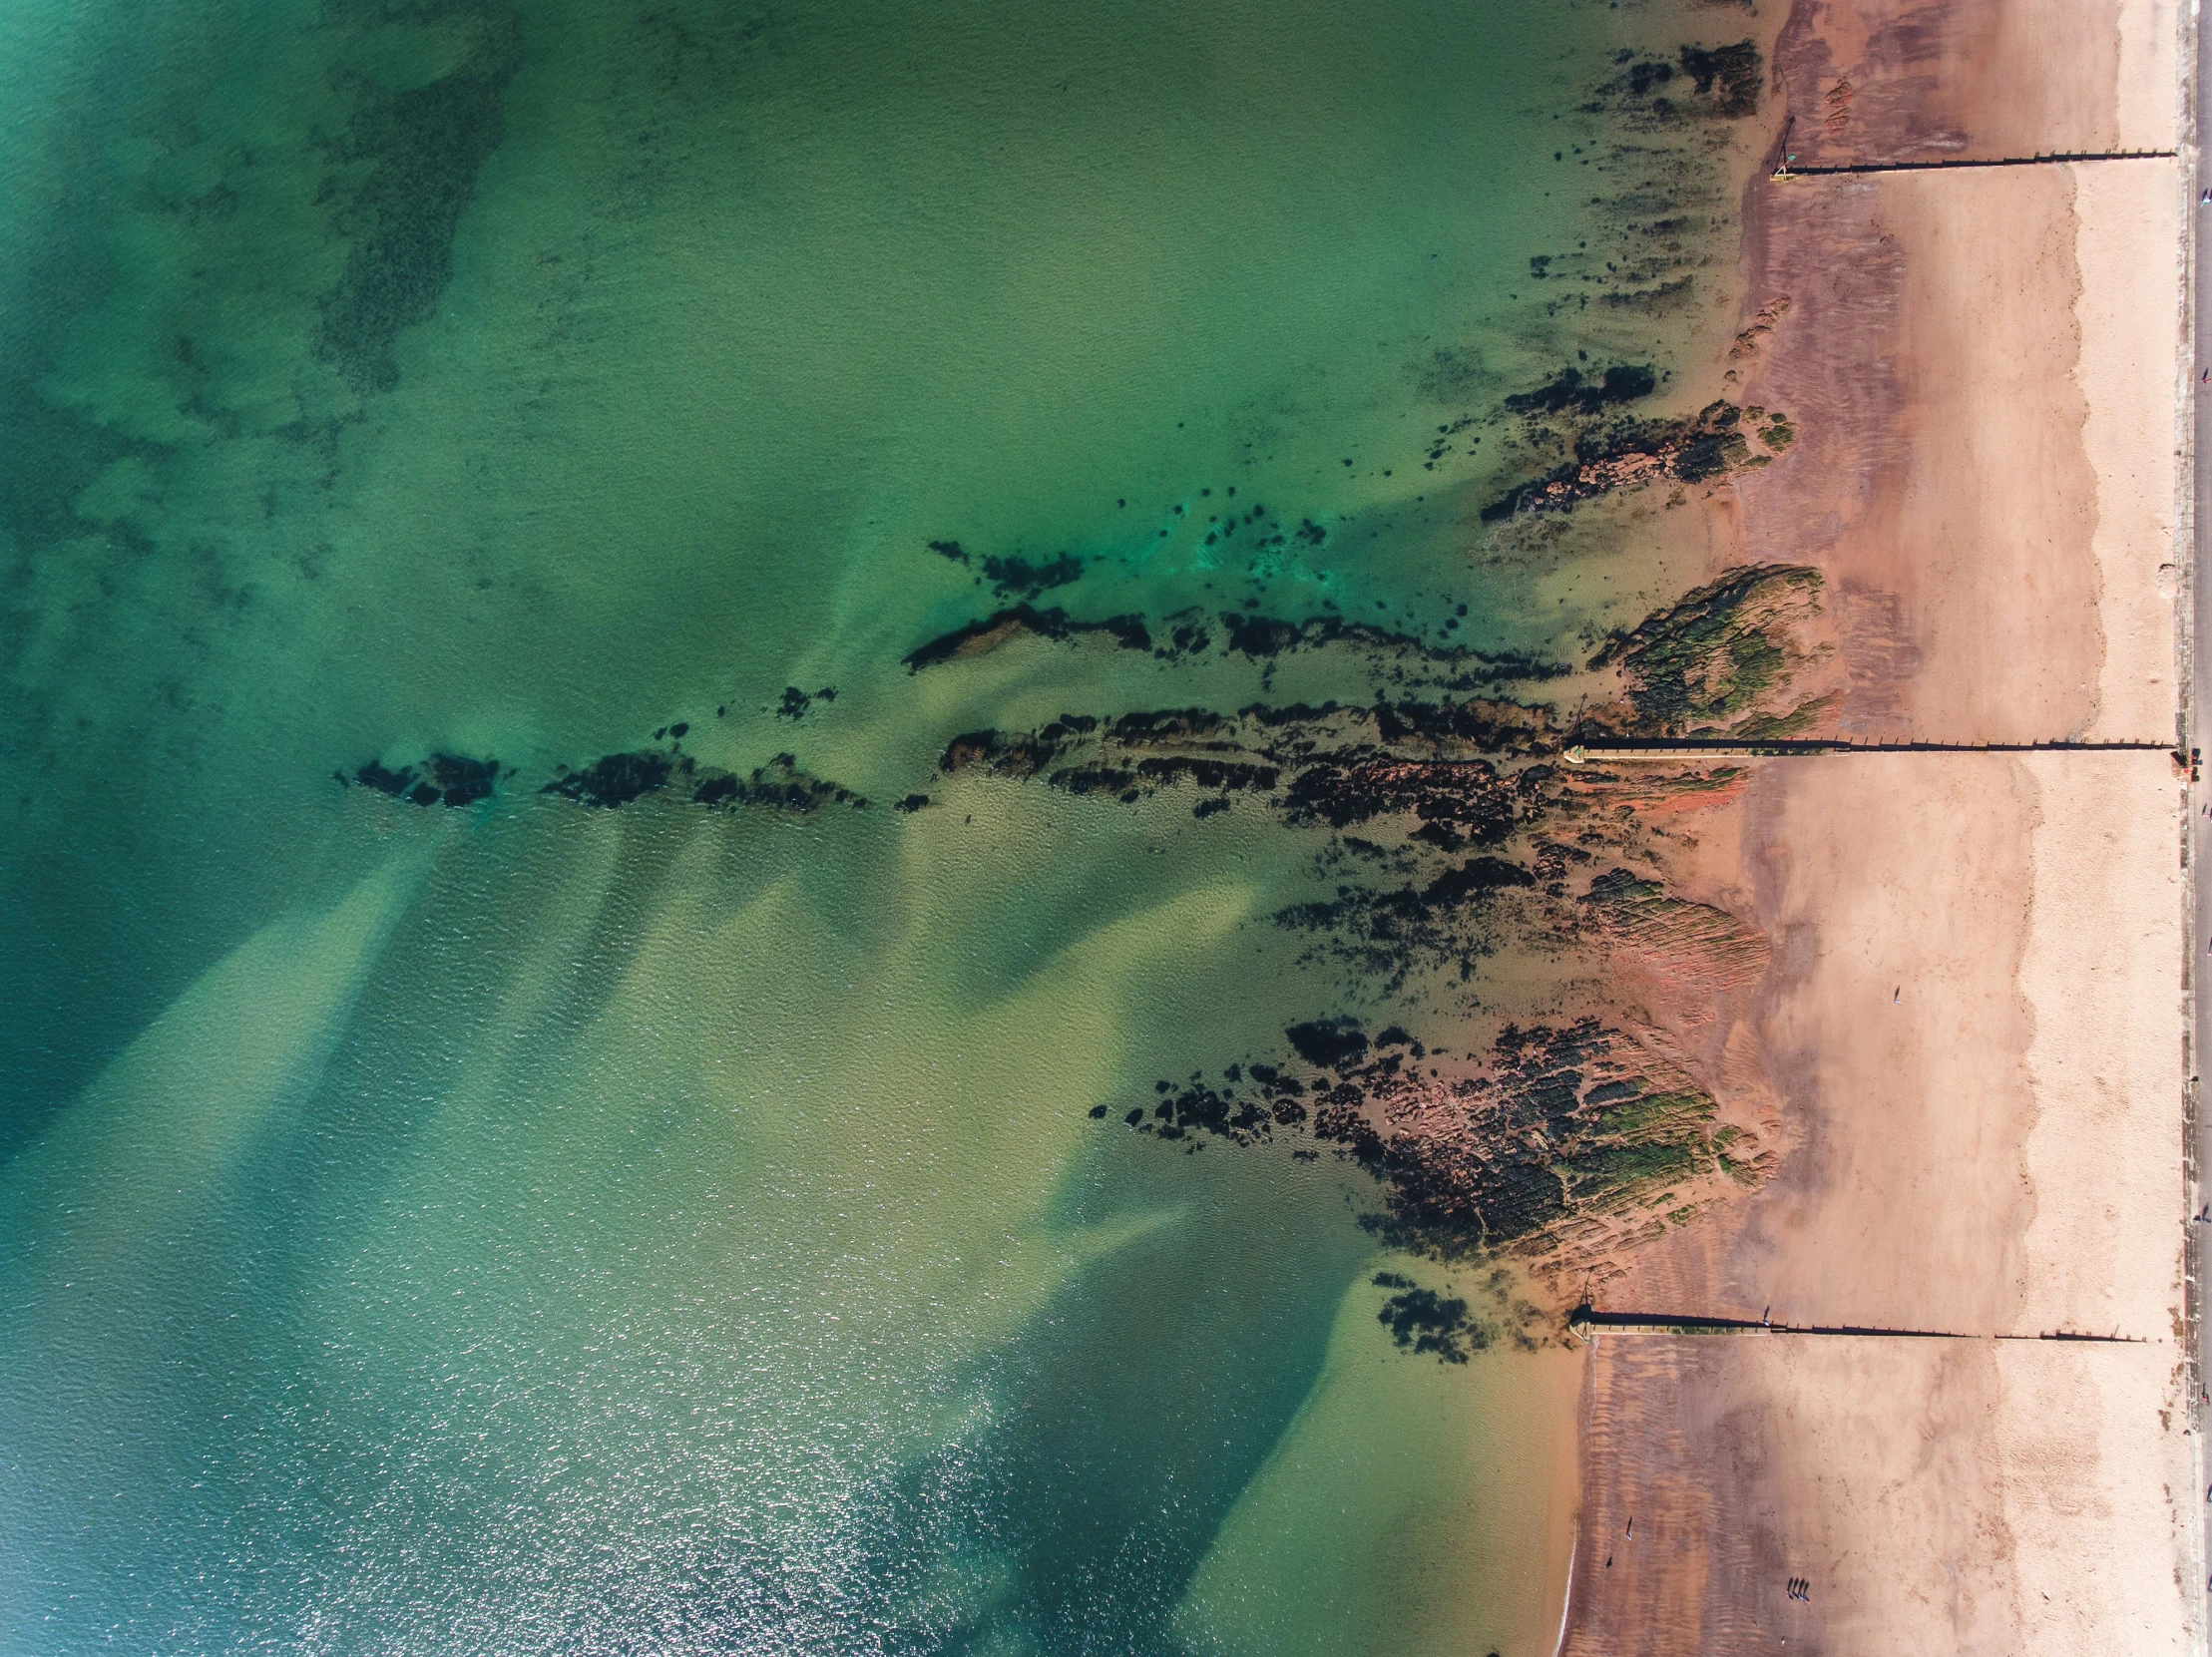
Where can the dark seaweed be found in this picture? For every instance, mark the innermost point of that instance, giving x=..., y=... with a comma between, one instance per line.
x=615, y=779
x=1570, y=393
x=1426, y=1322
x=416, y=153
x=442, y=779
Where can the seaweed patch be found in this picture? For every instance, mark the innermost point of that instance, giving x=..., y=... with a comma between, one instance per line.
x=402, y=172
x=442, y=779
x=615, y=780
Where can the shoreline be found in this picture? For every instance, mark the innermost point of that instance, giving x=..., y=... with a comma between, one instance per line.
x=1962, y=1034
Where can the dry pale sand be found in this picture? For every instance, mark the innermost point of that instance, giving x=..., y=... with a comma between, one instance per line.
x=1971, y=1038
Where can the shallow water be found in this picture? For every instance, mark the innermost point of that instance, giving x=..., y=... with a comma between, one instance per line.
x=526, y=1227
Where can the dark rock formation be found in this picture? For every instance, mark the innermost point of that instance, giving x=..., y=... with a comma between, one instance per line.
x=779, y=785
x=1708, y=445
x=1569, y=392
x=617, y=779
x=1728, y=75
x=1723, y=84
x=1017, y=577
x=1726, y=657
x=1424, y=1321
x=1327, y=1043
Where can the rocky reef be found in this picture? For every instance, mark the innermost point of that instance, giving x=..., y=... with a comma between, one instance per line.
x=1628, y=454
x=1451, y=832
x=1563, y=1145
x=1453, y=835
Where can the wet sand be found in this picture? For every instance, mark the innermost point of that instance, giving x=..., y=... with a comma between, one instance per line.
x=1971, y=1037
x=1939, y=1497
x=1873, y=81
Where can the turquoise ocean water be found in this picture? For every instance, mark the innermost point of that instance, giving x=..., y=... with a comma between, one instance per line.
x=518, y=1227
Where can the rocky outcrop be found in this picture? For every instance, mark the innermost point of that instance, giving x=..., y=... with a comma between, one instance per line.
x=1708, y=446
x=1563, y=1145
x=1737, y=656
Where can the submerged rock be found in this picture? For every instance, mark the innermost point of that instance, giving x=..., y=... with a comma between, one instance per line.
x=442, y=779
x=1011, y=576
x=1329, y=1042
x=1024, y=621
x=615, y=779
x=1425, y=1322
x=1571, y=392
x=779, y=785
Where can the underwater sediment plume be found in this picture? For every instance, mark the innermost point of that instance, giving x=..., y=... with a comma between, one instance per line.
x=880, y=829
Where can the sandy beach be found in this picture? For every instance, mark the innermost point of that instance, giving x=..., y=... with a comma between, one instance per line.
x=1891, y=79
x=1970, y=1035
x=1982, y=361
x=1939, y=1496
